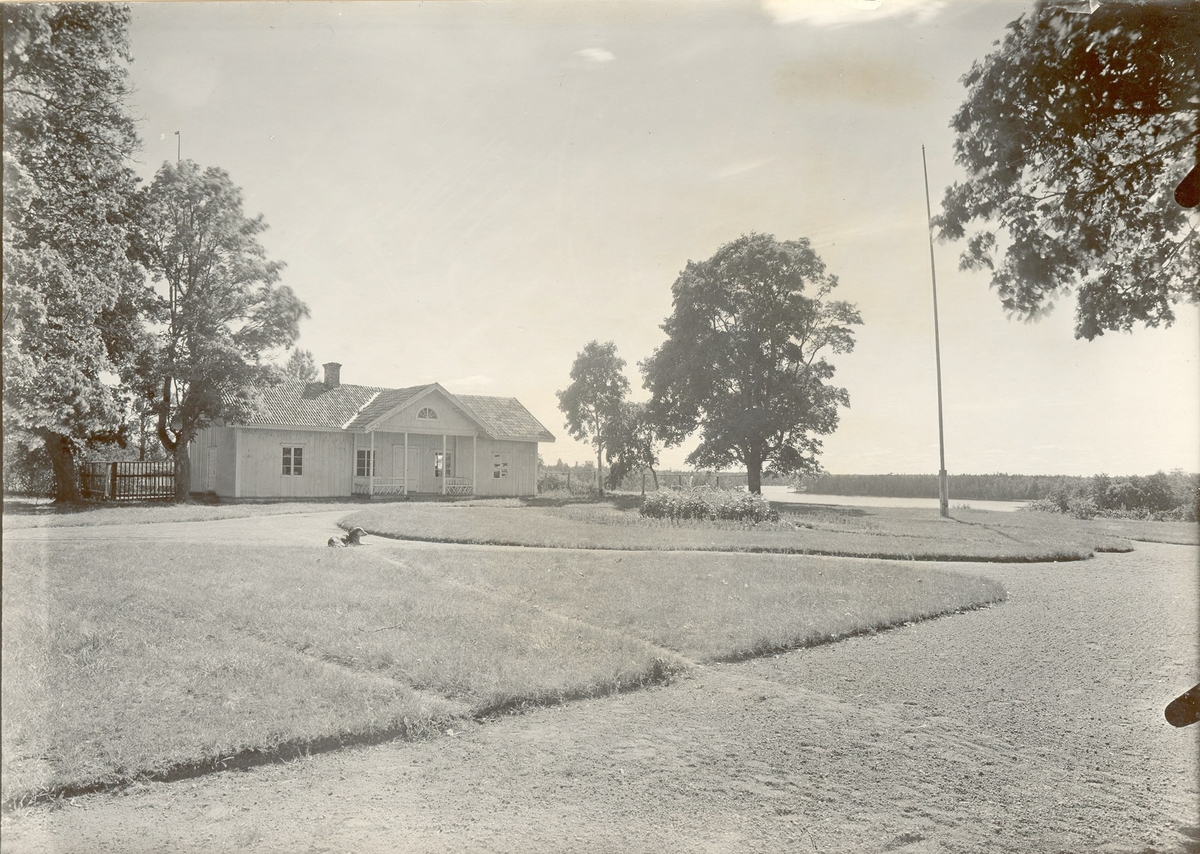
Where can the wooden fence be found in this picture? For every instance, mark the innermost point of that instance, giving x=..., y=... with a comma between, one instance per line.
x=128, y=481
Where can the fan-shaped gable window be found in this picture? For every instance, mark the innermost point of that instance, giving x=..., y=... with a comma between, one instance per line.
x=428, y=414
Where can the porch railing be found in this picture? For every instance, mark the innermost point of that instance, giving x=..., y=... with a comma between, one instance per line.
x=383, y=486
x=395, y=486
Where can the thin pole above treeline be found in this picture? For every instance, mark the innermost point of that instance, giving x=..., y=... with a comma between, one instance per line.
x=943, y=481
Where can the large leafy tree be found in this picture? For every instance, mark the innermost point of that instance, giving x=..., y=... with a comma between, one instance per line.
x=220, y=307
x=744, y=358
x=72, y=297
x=1074, y=135
x=592, y=402
x=632, y=444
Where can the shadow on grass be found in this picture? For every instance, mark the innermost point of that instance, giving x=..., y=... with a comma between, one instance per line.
x=49, y=507
x=791, y=509
x=20, y=506
x=620, y=501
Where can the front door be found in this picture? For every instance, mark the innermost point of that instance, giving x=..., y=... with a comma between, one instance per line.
x=413, y=473
x=414, y=469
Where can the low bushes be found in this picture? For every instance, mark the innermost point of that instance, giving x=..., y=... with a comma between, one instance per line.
x=561, y=484
x=1159, y=497
x=707, y=503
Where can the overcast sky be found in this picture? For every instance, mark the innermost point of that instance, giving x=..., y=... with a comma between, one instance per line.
x=470, y=192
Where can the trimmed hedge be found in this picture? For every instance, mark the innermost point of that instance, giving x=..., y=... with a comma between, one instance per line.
x=708, y=503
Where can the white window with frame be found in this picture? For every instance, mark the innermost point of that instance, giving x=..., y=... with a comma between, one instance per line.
x=427, y=413
x=364, y=463
x=500, y=466
x=293, y=460
x=437, y=464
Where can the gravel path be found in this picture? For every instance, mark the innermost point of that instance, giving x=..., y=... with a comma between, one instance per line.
x=1032, y=726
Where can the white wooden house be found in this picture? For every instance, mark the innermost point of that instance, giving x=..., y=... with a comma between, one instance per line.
x=328, y=440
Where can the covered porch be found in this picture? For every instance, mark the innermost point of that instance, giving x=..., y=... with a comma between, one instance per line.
x=411, y=463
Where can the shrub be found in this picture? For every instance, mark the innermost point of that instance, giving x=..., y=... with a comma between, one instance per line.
x=27, y=470
x=1082, y=507
x=1164, y=497
x=709, y=504
x=582, y=483
x=1045, y=505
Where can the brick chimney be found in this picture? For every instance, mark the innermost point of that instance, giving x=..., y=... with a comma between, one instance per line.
x=333, y=374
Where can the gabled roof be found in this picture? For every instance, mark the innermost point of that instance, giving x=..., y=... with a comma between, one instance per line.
x=297, y=404
x=385, y=402
x=504, y=417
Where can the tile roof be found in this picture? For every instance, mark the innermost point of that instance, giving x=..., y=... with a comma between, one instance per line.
x=504, y=417
x=388, y=399
x=294, y=403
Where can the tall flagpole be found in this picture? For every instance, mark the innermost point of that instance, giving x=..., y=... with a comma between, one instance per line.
x=943, y=481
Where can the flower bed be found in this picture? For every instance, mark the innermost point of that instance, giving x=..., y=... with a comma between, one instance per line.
x=707, y=503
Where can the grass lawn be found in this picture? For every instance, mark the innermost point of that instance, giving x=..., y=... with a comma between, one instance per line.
x=1180, y=533
x=127, y=660
x=714, y=607
x=901, y=533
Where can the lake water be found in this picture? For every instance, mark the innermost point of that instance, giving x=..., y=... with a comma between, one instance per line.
x=782, y=493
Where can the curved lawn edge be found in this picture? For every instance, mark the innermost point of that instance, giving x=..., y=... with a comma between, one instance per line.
x=1044, y=557
x=673, y=621
x=661, y=673
x=877, y=628
x=242, y=760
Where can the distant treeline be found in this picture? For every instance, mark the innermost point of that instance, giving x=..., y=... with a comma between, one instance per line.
x=578, y=478
x=681, y=477
x=963, y=487
x=1157, y=496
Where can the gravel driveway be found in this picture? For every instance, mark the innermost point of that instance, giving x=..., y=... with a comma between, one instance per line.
x=1031, y=726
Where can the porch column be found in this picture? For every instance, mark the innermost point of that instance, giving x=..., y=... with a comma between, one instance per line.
x=474, y=465
x=405, y=463
x=445, y=468
x=371, y=467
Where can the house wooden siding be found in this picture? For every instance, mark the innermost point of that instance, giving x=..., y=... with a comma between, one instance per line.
x=326, y=470
x=522, y=475
x=246, y=461
x=211, y=446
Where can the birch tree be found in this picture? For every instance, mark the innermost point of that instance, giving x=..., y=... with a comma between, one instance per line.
x=592, y=402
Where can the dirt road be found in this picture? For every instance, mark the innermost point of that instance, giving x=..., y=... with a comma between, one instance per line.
x=1031, y=726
